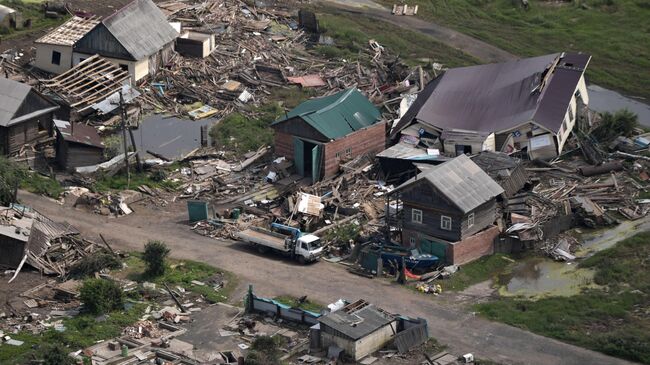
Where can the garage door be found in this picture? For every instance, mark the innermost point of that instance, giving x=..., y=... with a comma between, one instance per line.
x=434, y=248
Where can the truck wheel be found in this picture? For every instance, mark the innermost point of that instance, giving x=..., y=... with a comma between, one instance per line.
x=301, y=260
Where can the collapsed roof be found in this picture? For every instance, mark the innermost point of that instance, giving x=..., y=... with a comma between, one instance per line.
x=68, y=33
x=500, y=96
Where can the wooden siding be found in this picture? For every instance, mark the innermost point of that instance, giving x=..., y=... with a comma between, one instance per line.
x=20, y=134
x=71, y=155
x=101, y=41
x=434, y=205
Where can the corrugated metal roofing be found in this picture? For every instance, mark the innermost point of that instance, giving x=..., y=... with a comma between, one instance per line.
x=79, y=133
x=357, y=324
x=12, y=95
x=337, y=115
x=461, y=181
x=499, y=96
x=141, y=27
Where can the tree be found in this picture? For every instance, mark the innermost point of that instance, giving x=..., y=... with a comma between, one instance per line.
x=264, y=351
x=10, y=177
x=155, y=253
x=101, y=296
x=612, y=125
x=56, y=355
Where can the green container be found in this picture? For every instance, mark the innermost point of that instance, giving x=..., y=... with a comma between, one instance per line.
x=125, y=351
x=235, y=213
x=197, y=210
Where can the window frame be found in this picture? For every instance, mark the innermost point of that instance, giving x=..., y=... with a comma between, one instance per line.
x=56, y=56
x=348, y=152
x=470, y=220
x=413, y=220
x=443, y=220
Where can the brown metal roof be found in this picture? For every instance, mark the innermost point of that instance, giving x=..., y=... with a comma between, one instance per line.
x=500, y=96
x=79, y=133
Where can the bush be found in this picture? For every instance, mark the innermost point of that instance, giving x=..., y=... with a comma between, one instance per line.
x=113, y=146
x=101, y=296
x=95, y=263
x=264, y=351
x=56, y=355
x=620, y=123
x=154, y=256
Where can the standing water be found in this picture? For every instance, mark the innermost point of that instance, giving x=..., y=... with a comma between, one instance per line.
x=604, y=100
x=168, y=136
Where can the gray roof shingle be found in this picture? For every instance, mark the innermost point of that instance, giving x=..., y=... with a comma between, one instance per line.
x=461, y=181
x=12, y=95
x=141, y=27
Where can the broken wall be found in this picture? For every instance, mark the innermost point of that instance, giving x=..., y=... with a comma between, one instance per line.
x=473, y=247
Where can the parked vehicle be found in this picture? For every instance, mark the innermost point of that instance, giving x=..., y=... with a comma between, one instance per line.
x=302, y=247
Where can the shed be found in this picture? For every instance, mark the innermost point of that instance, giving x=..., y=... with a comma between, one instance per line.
x=77, y=145
x=54, y=50
x=321, y=133
x=359, y=328
x=137, y=37
x=194, y=43
x=445, y=204
x=9, y=18
x=507, y=171
x=25, y=115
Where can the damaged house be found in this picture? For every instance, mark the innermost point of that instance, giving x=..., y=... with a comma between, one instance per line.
x=77, y=145
x=137, y=37
x=54, y=50
x=25, y=115
x=448, y=211
x=321, y=133
x=529, y=104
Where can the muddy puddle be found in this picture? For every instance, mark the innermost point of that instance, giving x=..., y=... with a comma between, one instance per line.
x=169, y=136
x=535, y=277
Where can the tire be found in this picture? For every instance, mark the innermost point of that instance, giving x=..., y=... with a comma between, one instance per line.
x=301, y=260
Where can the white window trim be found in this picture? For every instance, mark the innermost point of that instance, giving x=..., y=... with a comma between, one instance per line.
x=419, y=221
x=442, y=222
x=470, y=220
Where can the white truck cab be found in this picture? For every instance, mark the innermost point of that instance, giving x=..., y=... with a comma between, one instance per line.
x=309, y=248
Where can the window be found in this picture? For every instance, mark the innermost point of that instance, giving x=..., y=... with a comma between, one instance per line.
x=56, y=58
x=304, y=246
x=445, y=223
x=470, y=220
x=416, y=216
x=124, y=67
x=348, y=152
x=338, y=155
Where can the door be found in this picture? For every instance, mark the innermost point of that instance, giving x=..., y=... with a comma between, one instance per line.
x=434, y=248
x=298, y=156
x=316, y=162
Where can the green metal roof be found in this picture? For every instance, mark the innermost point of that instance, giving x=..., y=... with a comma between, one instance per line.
x=337, y=115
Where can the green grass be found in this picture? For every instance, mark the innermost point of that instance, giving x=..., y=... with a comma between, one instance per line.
x=615, y=32
x=307, y=305
x=614, y=320
x=13, y=175
x=30, y=10
x=352, y=32
x=485, y=268
x=39, y=184
x=182, y=273
x=81, y=331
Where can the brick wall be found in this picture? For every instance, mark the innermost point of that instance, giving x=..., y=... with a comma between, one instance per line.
x=369, y=140
x=472, y=247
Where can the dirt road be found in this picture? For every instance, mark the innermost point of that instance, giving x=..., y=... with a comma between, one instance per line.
x=449, y=321
x=478, y=49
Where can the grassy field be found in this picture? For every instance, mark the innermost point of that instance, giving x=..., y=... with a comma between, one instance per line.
x=30, y=9
x=614, y=320
x=351, y=34
x=485, y=268
x=615, y=32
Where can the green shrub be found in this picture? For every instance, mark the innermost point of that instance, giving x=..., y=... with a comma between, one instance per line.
x=612, y=125
x=155, y=253
x=113, y=146
x=56, y=355
x=264, y=351
x=10, y=177
x=95, y=263
x=101, y=296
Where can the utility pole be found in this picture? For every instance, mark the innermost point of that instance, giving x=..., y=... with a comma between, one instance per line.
x=126, y=148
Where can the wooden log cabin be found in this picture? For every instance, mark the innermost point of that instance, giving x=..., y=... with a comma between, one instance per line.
x=25, y=115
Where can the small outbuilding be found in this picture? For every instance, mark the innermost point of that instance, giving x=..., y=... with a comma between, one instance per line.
x=10, y=18
x=507, y=171
x=444, y=207
x=54, y=50
x=196, y=43
x=359, y=328
x=322, y=133
x=77, y=145
x=25, y=115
